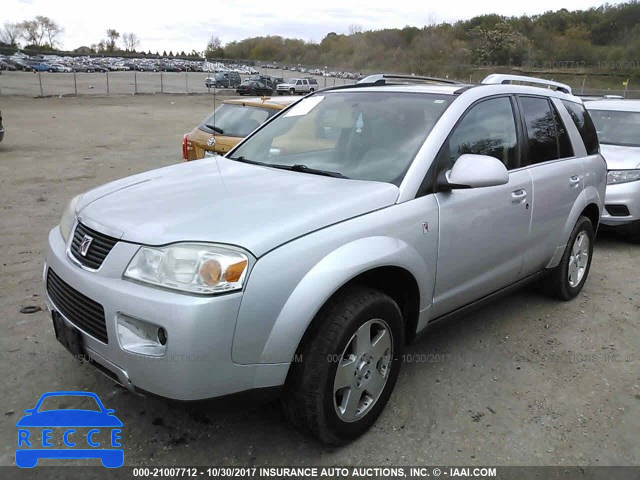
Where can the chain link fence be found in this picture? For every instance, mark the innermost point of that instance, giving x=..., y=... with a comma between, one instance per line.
x=42, y=84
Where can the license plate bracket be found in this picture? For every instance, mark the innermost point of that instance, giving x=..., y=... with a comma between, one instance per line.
x=70, y=337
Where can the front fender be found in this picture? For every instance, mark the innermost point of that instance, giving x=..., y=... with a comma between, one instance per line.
x=277, y=341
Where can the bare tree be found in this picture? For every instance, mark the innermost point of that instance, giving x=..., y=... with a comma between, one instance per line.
x=40, y=28
x=354, y=29
x=51, y=29
x=214, y=48
x=10, y=33
x=131, y=41
x=31, y=32
x=112, y=38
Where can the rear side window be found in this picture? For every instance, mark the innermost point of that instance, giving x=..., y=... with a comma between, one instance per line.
x=584, y=124
x=564, y=144
x=547, y=135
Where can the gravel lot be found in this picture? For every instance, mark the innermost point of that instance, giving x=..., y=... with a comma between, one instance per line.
x=524, y=381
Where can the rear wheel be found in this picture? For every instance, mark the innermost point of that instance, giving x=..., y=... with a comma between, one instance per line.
x=350, y=364
x=568, y=278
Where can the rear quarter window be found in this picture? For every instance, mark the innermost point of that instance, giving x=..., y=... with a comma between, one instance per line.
x=584, y=124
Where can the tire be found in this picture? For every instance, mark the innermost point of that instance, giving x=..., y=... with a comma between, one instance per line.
x=311, y=90
x=312, y=399
x=292, y=91
x=567, y=279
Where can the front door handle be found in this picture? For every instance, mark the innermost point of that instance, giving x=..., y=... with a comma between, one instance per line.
x=518, y=196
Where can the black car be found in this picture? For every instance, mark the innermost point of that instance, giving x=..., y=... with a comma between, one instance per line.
x=268, y=80
x=226, y=79
x=1, y=128
x=254, y=87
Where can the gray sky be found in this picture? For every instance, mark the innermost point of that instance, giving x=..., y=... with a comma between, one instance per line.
x=188, y=25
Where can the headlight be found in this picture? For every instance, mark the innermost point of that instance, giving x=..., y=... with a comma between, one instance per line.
x=69, y=217
x=195, y=268
x=622, y=176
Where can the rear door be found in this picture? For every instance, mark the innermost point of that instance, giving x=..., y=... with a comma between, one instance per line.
x=558, y=178
x=483, y=231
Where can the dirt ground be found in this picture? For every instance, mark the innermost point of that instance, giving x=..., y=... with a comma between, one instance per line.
x=524, y=381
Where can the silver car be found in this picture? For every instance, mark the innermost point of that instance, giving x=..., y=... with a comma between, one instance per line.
x=618, y=126
x=306, y=259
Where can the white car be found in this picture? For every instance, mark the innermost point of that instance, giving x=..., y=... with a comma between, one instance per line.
x=618, y=125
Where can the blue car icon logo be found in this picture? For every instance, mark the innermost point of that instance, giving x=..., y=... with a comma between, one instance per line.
x=84, y=433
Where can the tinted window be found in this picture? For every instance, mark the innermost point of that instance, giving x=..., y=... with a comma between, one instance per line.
x=584, y=125
x=488, y=128
x=541, y=129
x=616, y=127
x=564, y=144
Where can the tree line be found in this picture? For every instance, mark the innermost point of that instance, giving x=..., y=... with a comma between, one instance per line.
x=605, y=35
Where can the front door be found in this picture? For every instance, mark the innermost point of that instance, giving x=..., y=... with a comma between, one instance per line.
x=483, y=231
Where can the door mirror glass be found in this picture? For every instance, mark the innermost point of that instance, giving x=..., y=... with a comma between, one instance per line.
x=474, y=171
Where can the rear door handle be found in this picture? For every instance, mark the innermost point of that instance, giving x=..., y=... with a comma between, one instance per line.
x=574, y=181
x=518, y=196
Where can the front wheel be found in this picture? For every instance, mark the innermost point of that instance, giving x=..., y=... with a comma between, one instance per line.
x=350, y=360
x=568, y=278
x=292, y=91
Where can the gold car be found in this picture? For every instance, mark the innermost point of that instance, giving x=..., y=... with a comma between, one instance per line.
x=229, y=123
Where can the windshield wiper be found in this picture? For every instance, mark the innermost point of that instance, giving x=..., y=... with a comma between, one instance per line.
x=215, y=129
x=294, y=168
x=314, y=171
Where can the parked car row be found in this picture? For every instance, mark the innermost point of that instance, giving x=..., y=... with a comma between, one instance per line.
x=55, y=63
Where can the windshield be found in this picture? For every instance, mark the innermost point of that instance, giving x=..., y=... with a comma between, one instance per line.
x=360, y=135
x=617, y=128
x=236, y=120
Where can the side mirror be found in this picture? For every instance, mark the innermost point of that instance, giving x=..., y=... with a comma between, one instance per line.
x=474, y=171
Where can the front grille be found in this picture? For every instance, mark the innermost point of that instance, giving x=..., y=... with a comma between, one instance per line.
x=80, y=310
x=617, y=210
x=98, y=250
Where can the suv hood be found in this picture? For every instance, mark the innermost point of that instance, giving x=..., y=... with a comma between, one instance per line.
x=219, y=200
x=620, y=157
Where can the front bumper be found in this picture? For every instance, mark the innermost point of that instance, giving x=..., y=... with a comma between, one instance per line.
x=197, y=363
x=621, y=195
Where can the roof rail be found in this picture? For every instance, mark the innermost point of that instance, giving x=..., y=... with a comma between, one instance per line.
x=384, y=78
x=498, y=78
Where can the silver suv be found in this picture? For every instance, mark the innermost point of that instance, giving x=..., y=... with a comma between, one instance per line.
x=315, y=250
x=618, y=126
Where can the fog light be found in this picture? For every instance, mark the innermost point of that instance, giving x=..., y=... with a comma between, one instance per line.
x=141, y=337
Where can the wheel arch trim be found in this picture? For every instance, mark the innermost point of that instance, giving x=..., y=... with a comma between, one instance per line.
x=332, y=273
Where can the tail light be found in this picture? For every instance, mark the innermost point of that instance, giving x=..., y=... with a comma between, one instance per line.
x=185, y=148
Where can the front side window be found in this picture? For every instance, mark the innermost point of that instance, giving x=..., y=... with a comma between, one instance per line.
x=488, y=128
x=236, y=120
x=359, y=135
x=617, y=128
